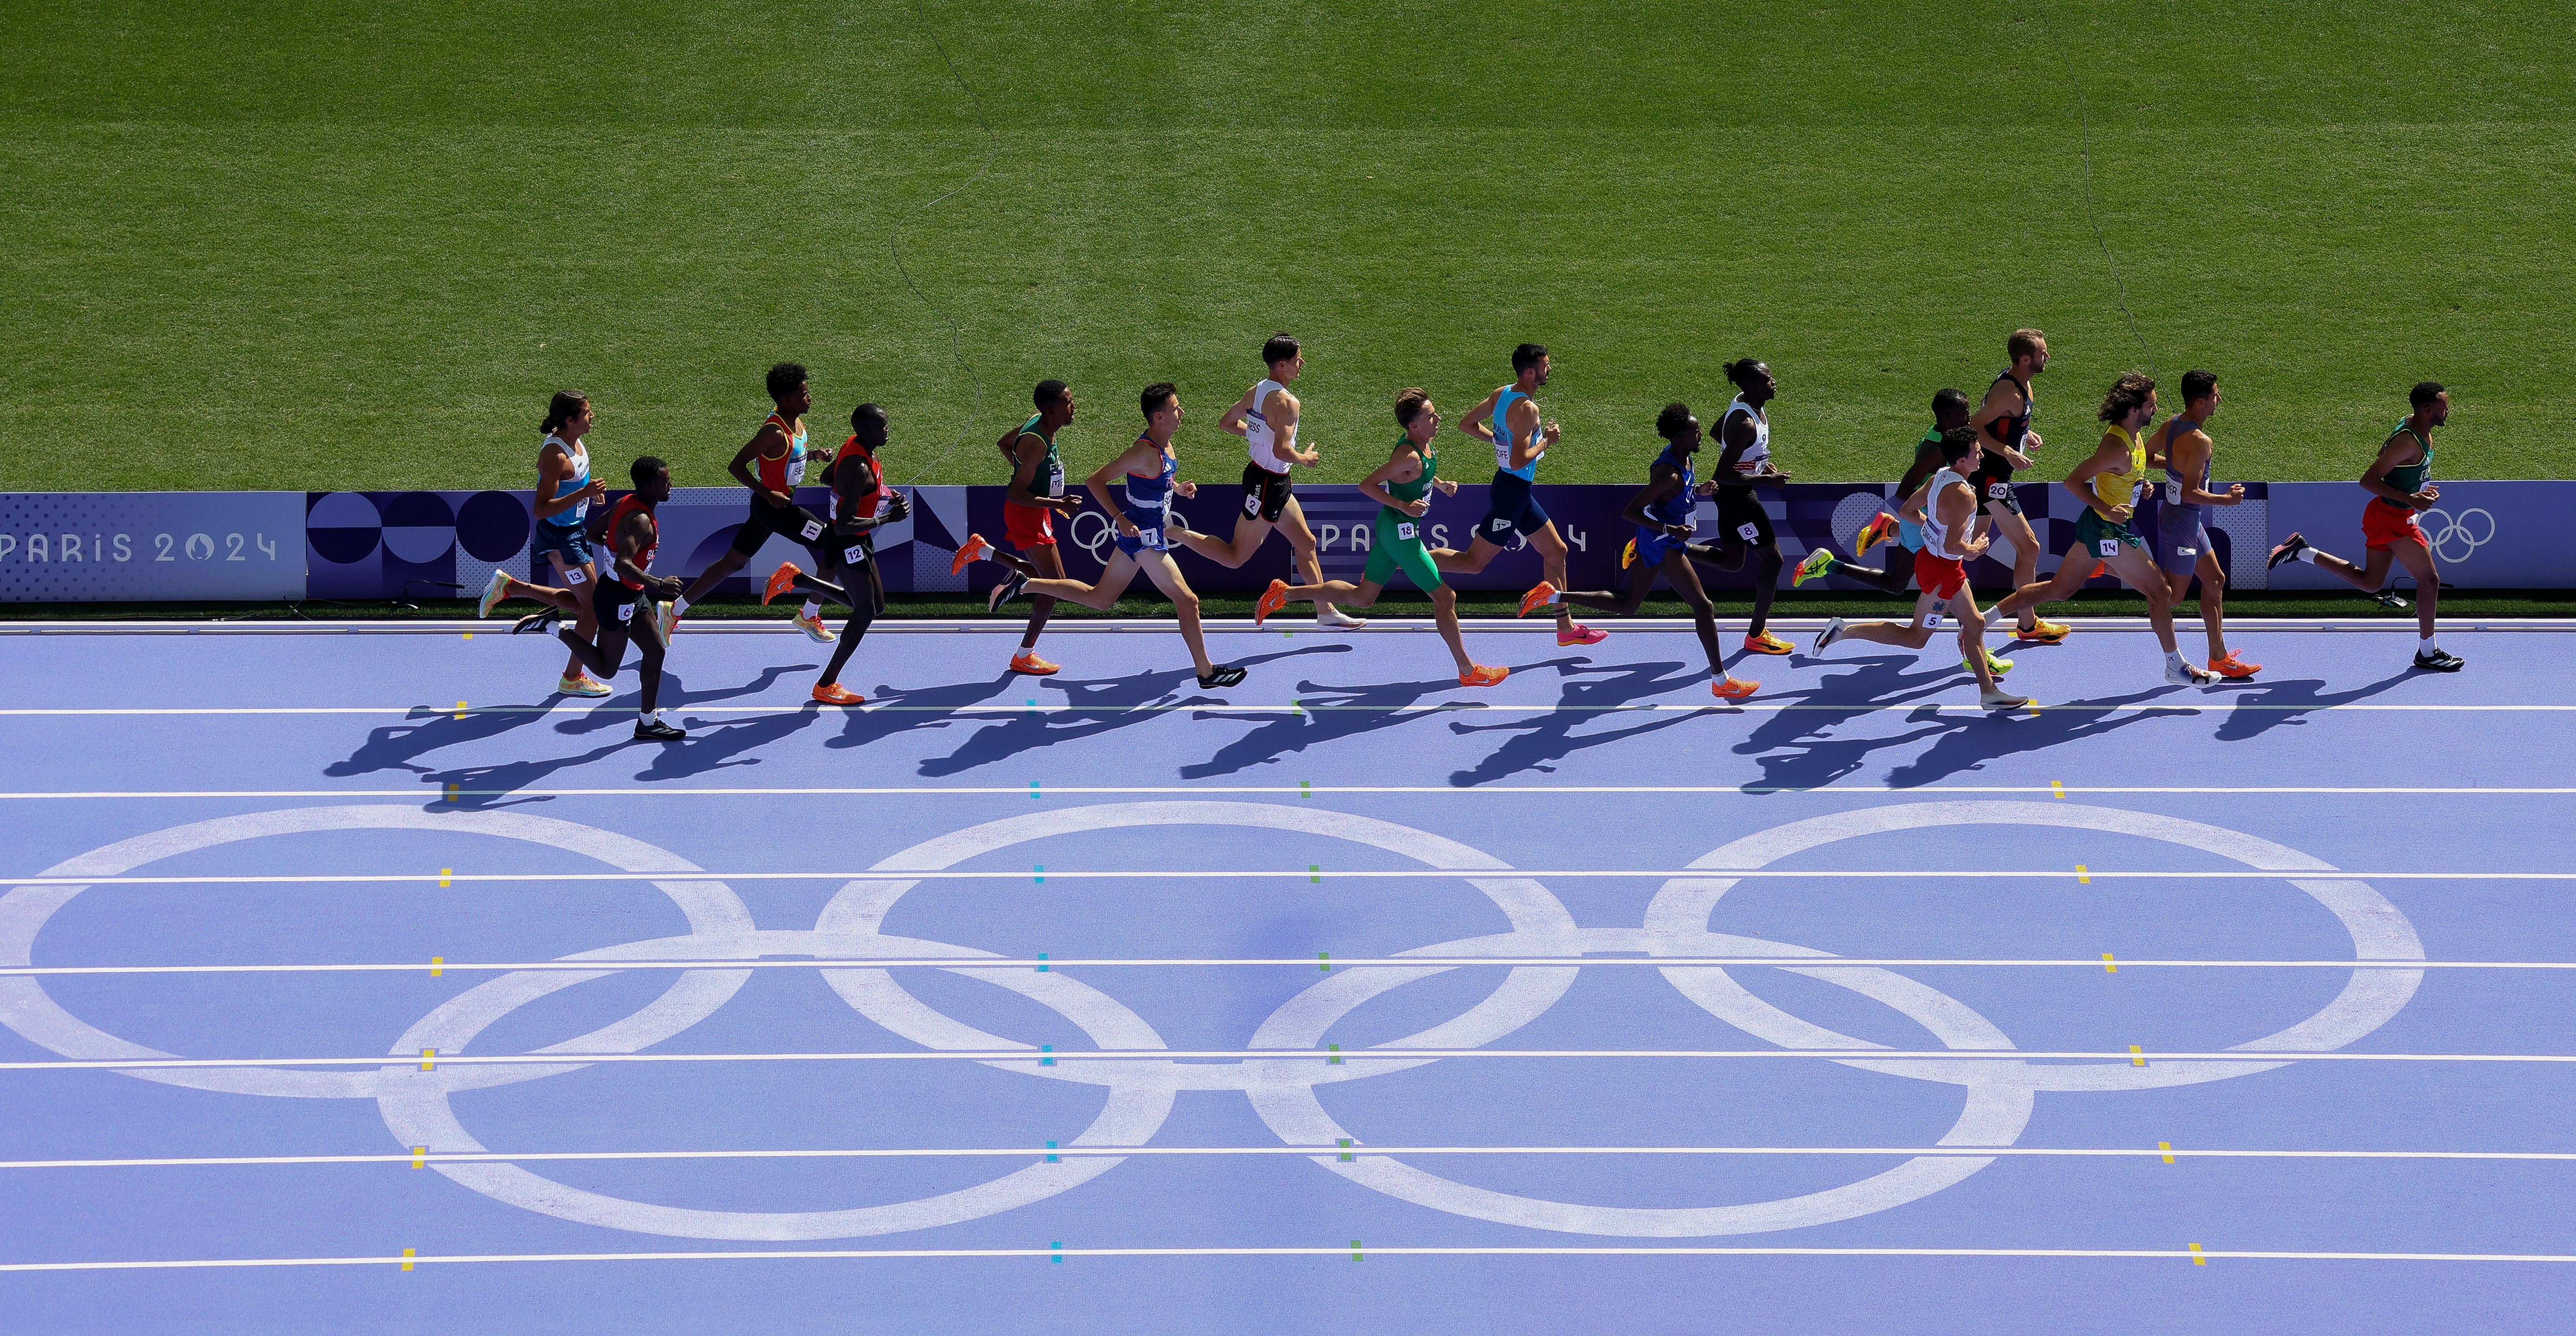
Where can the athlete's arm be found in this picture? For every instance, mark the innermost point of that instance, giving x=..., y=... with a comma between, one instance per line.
x=1927, y=461
x=1029, y=451
x=2113, y=450
x=1374, y=485
x=1479, y=421
x=1663, y=480
x=2184, y=463
x=633, y=537
x=1282, y=414
x=1958, y=503
x=1126, y=463
x=553, y=466
x=1529, y=439
x=1738, y=435
x=2399, y=451
x=1231, y=421
x=1998, y=406
x=755, y=448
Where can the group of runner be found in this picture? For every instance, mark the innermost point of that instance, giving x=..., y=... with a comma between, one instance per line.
x=1956, y=502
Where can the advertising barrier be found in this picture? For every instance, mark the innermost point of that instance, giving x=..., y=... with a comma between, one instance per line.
x=357, y=546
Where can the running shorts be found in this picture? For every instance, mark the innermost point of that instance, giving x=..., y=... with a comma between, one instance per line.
x=1397, y=546
x=794, y=523
x=1265, y=494
x=1994, y=487
x=1028, y=526
x=610, y=598
x=1740, y=518
x=1150, y=537
x=1939, y=576
x=2383, y=524
x=2097, y=538
x=569, y=541
x=1510, y=509
x=855, y=550
x=1653, y=545
x=2177, y=551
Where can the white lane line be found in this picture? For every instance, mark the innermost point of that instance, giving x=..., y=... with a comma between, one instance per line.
x=835, y=1254
x=937, y=791
x=1293, y=708
x=1354, y=962
x=1307, y=874
x=1060, y=1059
x=1122, y=1152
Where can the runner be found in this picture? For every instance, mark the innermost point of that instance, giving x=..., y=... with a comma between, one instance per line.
x=625, y=599
x=2401, y=481
x=1943, y=510
x=1508, y=420
x=861, y=505
x=772, y=463
x=1744, y=463
x=1146, y=468
x=2109, y=482
x=1949, y=411
x=1664, y=511
x=2009, y=443
x=1030, y=507
x=2185, y=451
x=1402, y=488
x=563, y=496
x=1266, y=418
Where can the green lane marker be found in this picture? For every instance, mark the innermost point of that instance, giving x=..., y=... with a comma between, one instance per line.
x=1333, y=1061
x=1324, y=955
x=1346, y=1157
x=1315, y=871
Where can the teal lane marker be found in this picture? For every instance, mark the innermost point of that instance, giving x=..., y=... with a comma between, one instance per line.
x=1054, y=1159
x=1033, y=789
x=1046, y=1048
x=1324, y=956
x=1058, y=1250
x=1333, y=1061
x=1346, y=1150
x=1042, y=956
x=1041, y=874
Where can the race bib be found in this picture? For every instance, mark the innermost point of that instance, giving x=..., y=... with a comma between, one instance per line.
x=2186, y=552
x=1251, y=503
x=1748, y=531
x=1500, y=525
x=796, y=469
x=1404, y=529
x=2173, y=492
x=573, y=575
x=1150, y=537
x=1932, y=620
x=1998, y=491
x=855, y=554
x=2110, y=547
x=1055, y=479
x=813, y=529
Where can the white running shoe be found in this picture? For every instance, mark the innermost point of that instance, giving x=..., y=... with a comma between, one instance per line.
x=1996, y=698
x=1825, y=638
x=663, y=622
x=1329, y=616
x=493, y=593
x=2182, y=674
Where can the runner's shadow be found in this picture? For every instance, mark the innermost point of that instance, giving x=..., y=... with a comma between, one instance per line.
x=711, y=746
x=1332, y=713
x=1551, y=737
x=1966, y=742
x=610, y=711
x=1780, y=742
x=1101, y=706
x=488, y=786
x=901, y=710
x=2288, y=701
x=395, y=746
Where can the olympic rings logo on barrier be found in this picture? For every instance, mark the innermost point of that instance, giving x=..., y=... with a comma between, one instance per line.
x=1997, y=1096
x=2456, y=531
x=1100, y=534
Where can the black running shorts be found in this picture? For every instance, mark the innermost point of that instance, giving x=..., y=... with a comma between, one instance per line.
x=794, y=523
x=1742, y=519
x=1265, y=494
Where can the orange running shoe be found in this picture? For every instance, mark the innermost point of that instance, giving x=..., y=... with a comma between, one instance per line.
x=1272, y=600
x=1027, y=661
x=2231, y=666
x=833, y=693
x=968, y=555
x=1733, y=688
x=1629, y=557
x=1483, y=676
x=1537, y=598
x=780, y=581
x=1767, y=643
x=1880, y=528
x=1579, y=634
x=2042, y=633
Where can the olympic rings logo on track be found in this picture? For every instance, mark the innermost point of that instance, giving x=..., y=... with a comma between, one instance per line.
x=2456, y=531
x=1997, y=1096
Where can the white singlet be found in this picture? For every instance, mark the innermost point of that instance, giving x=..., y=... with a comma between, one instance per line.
x=1756, y=454
x=1257, y=432
x=576, y=454
x=1936, y=535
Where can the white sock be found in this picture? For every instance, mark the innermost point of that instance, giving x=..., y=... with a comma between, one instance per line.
x=679, y=605
x=813, y=608
x=648, y=716
x=2427, y=645
x=2173, y=659
x=2306, y=554
x=1556, y=596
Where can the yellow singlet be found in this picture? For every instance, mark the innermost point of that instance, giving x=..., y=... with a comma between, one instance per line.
x=2121, y=489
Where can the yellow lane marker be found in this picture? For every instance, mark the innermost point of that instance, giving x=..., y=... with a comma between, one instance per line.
x=2083, y=875
x=2196, y=1258
x=407, y=1256
x=460, y=709
x=469, y=635
x=436, y=964
x=2109, y=966
x=2167, y=1148
x=455, y=791
x=429, y=1059
x=2058, y=787
x=2136, y=1058
x=419, y=1156
x=443, y=874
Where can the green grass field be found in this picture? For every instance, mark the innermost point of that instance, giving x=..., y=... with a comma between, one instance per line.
x=321, y=244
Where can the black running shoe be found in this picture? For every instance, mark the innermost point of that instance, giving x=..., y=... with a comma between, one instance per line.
x=1226, y=675
x=1006, y=591
x=2390, y=598
x=654, y=730
x=2440, y=661
x=542, y=622
x=2288, y=550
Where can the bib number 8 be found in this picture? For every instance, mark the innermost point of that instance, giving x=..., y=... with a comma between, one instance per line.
x=1748, y=531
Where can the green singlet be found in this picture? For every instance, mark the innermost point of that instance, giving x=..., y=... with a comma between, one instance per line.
x=2408, y=478
x=1048, y=478
x=1396, y=544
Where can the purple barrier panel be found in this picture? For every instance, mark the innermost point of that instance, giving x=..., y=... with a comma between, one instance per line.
x=371, y=545
x=2484, y=535
x=58, y=547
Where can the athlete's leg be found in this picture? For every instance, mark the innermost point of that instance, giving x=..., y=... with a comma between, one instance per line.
x=1470, y=562
x=1444, y=614
x=2073, y=570
x=1166, y=576
x=1046, y=562
x=2015, y=528
x=1733, y=553
x=1677, y=572
x=1358, y=595
x=2138, y=571
x=649, y=646
x=1910, y=635
x=1895, y=580
x=1250, y=531
x=1551, y=556
x=1303, y=557
x=2366, y=578
x=866, y=599
x=1114, y=579
x=724, y=565
x=2213, y=600
x=2428, y=581
x=1972, y=638
x=584, y=624
x=1641, y=582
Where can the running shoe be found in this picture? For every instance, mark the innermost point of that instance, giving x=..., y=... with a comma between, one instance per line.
x=542, y=621
x=2184, y=674
x=1628, y=558
x=780, y=581
x=654, y=730
x=1483, y=676
x=1336, y=619
x=2231, y=666
x=833, y=693
x=811, y=623
x=2390, y=598
x=968, y=555
x=2287, y=551
x=1578, y=634
x=2440, y=661
x=582, y=685
x=1880, y=528
x=1825, y=638
x=1272, y=600
x=1817, y=563
x=1223, y=675
x=1537, y=598
x=1027, y=661
x=1994, y=666
x=493, y=593
x=664, y=621
x=1732, y=688
x=2044, y=633
x=1006, y=591
x=1767, y=643
x=1996, y=698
